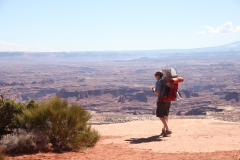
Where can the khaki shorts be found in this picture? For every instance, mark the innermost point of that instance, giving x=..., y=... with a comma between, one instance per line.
x=162, y=108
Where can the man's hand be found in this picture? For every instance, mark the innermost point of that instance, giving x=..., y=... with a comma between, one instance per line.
x=153, y=89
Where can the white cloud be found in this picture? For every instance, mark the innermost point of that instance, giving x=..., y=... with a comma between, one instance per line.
x=3, y=43
x=8, y=46
x=225, y=28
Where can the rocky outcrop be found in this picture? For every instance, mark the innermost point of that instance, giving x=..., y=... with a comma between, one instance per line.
x=199, y=103
x=202, y=111
x=232, y=95
x=125, y=94
x=85, y=94
x=81, y=80
x=141, y=97
x=10, y=84
x=47, y=81
x=3, y=83
x=39, y=94
x=121, y=99
x=179, y=113
x=208, y=87
x=15, y=84
x=34, y=82
x=130, y=96
x=189, y=94
x=194, y=94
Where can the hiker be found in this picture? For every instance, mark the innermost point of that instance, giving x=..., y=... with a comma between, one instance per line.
x=163, y=107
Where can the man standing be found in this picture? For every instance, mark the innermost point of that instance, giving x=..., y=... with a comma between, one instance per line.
x=163, y=107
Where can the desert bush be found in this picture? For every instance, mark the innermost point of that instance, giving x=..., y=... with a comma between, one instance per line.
x=22, y=142
x=65, y=127
x=8, y=112
x=32, y=104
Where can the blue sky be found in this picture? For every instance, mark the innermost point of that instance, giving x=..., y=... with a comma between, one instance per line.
x=113, y=25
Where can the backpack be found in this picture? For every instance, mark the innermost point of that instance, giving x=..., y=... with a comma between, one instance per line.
x=169, y=91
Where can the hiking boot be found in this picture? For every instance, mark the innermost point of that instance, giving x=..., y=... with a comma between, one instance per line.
x=163, y=132
x=167, y=132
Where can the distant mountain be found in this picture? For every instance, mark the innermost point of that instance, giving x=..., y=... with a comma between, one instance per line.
x=113, y=55
x=234, y=46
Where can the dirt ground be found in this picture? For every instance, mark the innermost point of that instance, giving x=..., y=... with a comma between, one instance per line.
x=192, y=139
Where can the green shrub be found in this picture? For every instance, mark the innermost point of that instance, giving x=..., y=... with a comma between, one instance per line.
x=32, y=104
x=8, y=112
x=65, y=127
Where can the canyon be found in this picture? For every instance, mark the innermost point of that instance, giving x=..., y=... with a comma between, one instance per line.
x=123, y=85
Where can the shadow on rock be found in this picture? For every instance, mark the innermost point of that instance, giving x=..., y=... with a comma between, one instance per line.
x=144, y=140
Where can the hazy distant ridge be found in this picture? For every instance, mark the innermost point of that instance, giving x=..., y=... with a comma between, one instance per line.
x=98, y=55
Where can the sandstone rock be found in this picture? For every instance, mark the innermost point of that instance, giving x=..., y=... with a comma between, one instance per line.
x=186, y=93
x=121, y=99
x=194, y=95
x=232, y=95
x=202, y=111
x=179, y=113
x=81, y=80
x=141, y=97
x=47, y=81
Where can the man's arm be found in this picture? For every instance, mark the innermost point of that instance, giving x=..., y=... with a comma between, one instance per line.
x=155, y=92
x=158, y=86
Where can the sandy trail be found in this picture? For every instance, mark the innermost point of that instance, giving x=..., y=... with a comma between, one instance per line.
x=192, y=139
x=189, y=135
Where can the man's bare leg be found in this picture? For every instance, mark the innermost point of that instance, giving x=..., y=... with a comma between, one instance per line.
x=165, y=125
x=166, y=118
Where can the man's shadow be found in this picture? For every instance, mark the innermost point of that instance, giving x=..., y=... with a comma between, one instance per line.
x=144, y=140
